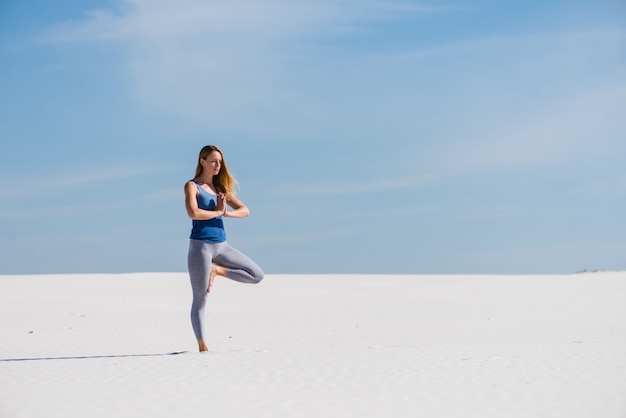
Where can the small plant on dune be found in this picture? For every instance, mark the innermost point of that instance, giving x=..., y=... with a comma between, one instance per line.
x=590, y=271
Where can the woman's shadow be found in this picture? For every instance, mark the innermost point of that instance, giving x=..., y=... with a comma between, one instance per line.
x=93, y=357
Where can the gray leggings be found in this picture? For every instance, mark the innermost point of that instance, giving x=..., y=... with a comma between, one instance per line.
x=201, y=256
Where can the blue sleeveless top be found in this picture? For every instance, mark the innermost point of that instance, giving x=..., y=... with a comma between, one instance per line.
x=210, y=230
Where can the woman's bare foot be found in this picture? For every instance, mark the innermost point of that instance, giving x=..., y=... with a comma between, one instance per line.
x=202, y=346
x=216, y=271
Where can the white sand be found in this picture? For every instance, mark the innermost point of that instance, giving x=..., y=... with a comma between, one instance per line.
x=315, y=346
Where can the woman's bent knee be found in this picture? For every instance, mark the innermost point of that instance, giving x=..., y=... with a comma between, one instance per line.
x=259, y=276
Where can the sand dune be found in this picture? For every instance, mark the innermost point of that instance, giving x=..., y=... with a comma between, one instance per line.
x=315, y=345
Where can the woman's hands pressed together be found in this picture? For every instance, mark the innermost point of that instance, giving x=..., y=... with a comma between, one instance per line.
x=239, y=209
x=221, y=205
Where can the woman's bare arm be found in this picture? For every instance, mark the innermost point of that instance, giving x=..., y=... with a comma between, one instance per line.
x=240, y=210
x=191, y=204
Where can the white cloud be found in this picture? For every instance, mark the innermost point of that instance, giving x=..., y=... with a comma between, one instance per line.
x=381, y=185
x=254, y=69
x=166, y=194
x=522, y=101
x=611, y=187
x=588, y=127
x=53, y=183
x=243, y=65
x=166, y=20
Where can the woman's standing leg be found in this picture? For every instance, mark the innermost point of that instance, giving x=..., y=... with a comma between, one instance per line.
x=199, y=264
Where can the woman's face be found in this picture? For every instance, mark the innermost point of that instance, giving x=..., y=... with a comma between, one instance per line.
x=212, y=163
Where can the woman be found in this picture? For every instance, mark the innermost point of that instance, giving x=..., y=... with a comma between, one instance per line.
x=207, y=198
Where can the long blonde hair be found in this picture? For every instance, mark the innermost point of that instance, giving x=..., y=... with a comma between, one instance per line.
x=224, y=182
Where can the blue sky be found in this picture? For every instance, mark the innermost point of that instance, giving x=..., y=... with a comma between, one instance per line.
x=367, y=136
